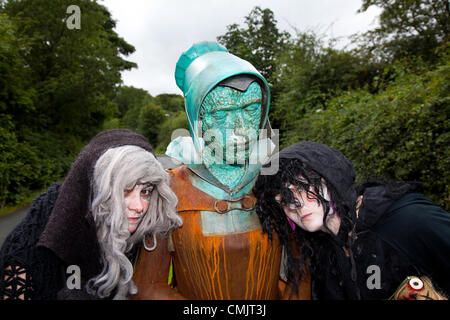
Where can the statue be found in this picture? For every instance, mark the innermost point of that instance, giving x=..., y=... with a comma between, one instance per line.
x=220, y=251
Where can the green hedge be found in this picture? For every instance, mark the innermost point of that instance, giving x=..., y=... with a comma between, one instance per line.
x=401, y=133
x=31, y=164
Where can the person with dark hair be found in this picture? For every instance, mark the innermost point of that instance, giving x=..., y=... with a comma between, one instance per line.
x=115, y=193
x=359, y=242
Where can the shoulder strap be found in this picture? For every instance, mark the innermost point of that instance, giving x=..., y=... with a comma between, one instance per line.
x=191, y=198
x=420, y=229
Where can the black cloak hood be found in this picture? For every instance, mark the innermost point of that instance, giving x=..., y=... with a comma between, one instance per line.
x=326, y=161
x=70, y=232
x=338, y=172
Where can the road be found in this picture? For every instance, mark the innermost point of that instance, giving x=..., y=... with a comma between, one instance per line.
x=9, y=221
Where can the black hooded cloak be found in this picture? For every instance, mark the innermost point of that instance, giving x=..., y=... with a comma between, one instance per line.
x=59, y=230
x=398, y=230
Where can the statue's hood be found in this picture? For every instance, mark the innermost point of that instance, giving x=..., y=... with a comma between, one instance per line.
x=203, y=67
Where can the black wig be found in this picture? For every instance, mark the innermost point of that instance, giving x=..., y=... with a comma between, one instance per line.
x=307, y=166
x=301, y=247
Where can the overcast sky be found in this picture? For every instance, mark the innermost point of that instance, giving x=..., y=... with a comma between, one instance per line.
x=161, y=30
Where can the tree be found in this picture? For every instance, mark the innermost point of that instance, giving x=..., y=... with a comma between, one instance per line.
x=56, y=88
x=172, y=123
x=150, y=119
x=309, y=73
x=16, y=101
x=16, y=98
x=170, y=102
x=74, y=72
x=399, y=133
x=154, y=117
x=259, y=42
x=129, y=97
x=408, y=28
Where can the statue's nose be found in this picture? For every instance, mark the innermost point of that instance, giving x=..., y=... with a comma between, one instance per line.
x=240, y=128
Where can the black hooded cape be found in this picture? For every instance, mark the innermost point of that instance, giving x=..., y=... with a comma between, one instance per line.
x=59, y=230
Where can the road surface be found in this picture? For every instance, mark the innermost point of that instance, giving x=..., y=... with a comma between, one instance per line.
x=9, y=221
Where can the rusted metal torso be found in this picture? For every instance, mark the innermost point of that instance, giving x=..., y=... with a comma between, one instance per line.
x=210, y=262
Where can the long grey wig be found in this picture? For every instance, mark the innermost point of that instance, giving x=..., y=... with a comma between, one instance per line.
x=116, y=170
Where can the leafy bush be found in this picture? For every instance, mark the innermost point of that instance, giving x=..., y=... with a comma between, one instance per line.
x=31, y=165
x=175, y=121
x=150, y=119
x=401, y=133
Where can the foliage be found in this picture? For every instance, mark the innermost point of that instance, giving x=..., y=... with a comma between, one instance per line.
x=384, y=103
x=31, y=164
x=408, y=28
x=74, y=72
x=16, y=98
x=175, y=121
x=150, y=119
x=258, y=42
x=154, y=117
x=56, y=89
x=309, y=73
x=170, y=102
x=128, y=97
x=401, y=133
x=130, y=101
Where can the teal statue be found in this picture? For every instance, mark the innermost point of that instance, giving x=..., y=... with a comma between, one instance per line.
x=220, y=252
x=227, y=103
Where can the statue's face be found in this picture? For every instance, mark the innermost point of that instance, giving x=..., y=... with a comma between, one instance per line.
x=230, y=122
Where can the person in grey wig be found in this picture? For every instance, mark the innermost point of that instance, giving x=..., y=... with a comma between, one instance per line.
x=80, y=238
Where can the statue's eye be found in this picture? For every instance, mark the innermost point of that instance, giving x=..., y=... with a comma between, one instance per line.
x=219, y=114
x=251, y=108
x=415, y=283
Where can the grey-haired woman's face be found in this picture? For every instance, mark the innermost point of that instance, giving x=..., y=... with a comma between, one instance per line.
x=137, y=201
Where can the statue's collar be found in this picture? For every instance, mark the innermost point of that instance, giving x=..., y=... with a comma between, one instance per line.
x=203, y=173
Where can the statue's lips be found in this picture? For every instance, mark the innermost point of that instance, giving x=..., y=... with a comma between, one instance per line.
x=243, y=144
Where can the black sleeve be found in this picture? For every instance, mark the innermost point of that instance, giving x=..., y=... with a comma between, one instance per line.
x=421, y=229
x=27, y=272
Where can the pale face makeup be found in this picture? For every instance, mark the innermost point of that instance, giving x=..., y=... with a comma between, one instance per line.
x=137, y=201
x=308, y=213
